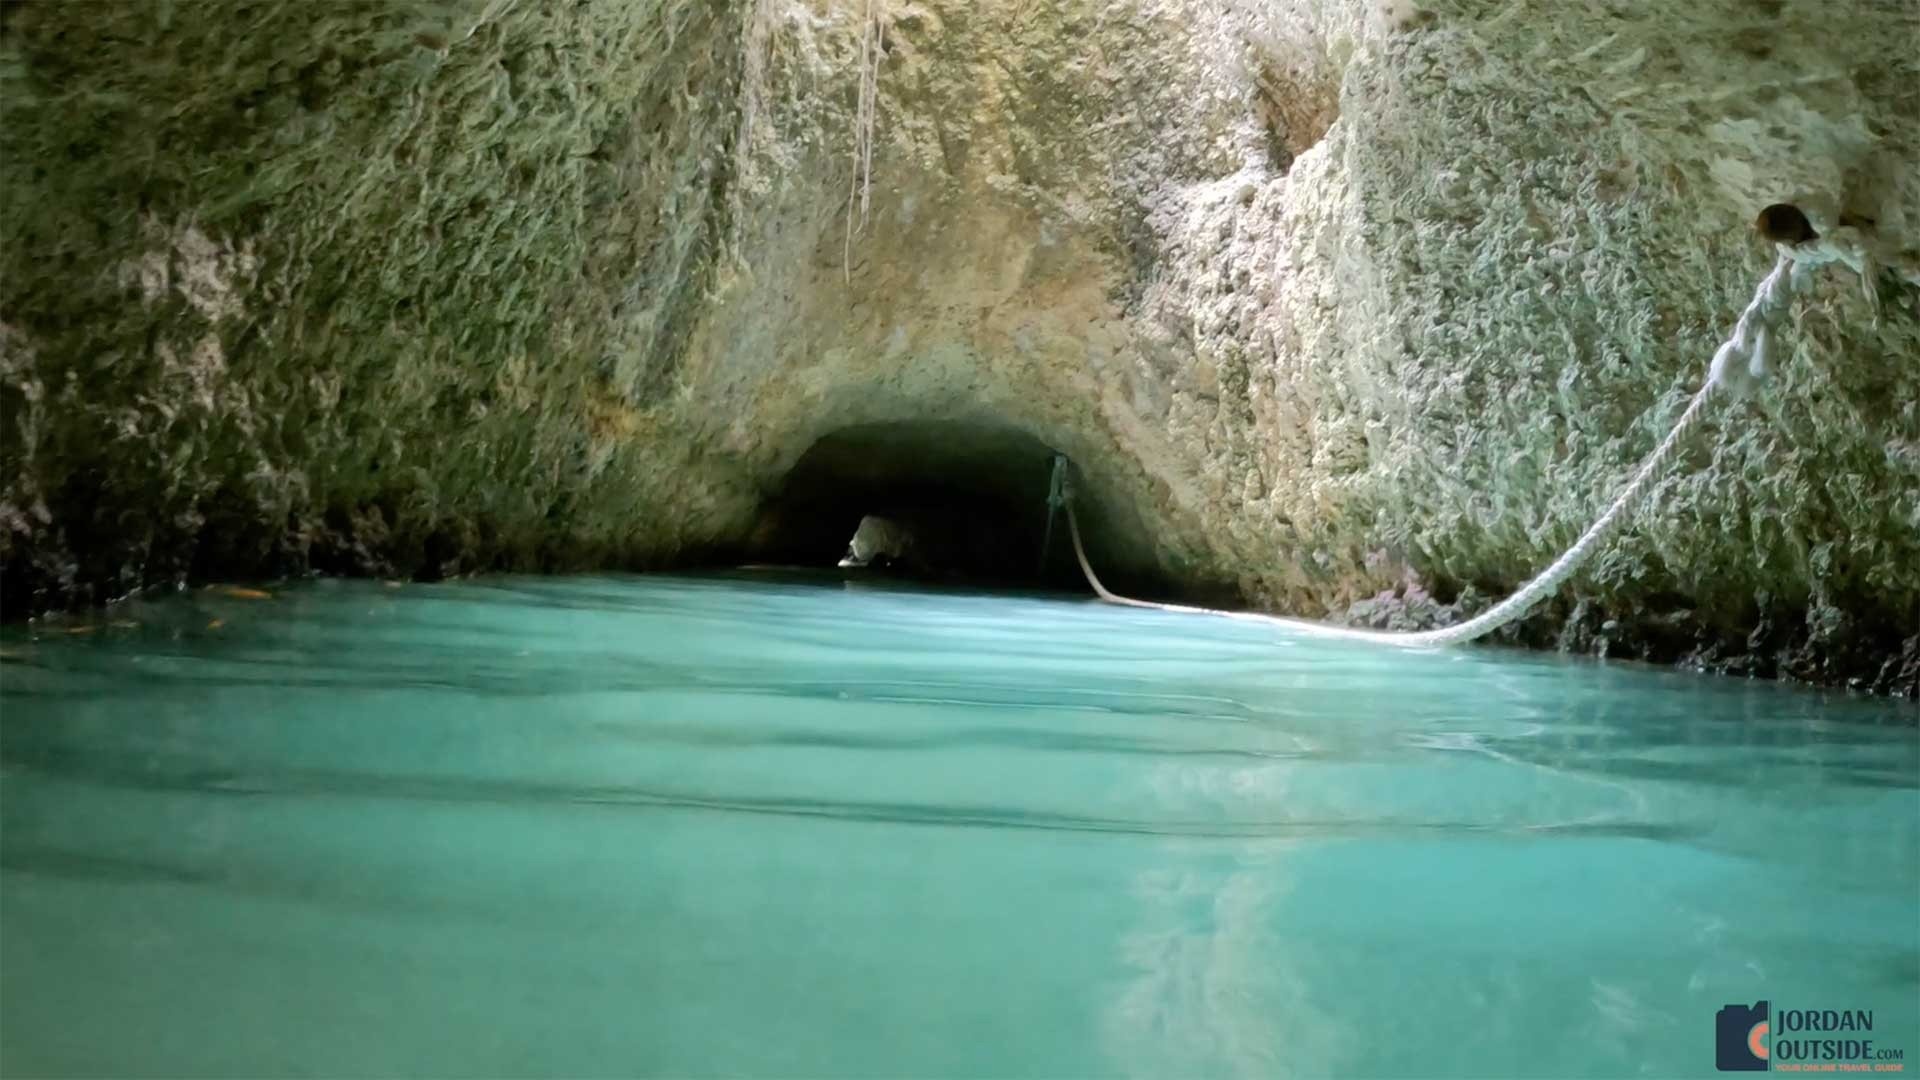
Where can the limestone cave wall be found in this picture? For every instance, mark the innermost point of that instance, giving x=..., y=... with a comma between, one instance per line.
x=1350, y=309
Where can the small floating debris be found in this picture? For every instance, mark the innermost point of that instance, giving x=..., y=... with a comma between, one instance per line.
x=241, y=592
x=216, y=624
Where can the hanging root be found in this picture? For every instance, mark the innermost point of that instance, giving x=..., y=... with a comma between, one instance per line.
x=872, y=42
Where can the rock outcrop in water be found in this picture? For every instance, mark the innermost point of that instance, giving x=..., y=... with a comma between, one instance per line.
x=1360, y=309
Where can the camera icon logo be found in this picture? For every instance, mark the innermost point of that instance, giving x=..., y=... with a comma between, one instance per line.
x=1740, y=1038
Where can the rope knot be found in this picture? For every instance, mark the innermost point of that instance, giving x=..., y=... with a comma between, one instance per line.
x=1744, y=358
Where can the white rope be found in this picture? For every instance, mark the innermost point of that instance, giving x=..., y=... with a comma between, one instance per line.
x=1739, y=362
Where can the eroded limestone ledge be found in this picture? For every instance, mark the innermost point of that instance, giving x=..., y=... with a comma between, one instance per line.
x=1360, y=309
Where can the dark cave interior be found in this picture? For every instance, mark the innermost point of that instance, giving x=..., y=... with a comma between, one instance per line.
x=968, y=499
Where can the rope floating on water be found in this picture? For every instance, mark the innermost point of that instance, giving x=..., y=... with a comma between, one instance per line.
x=1739, y=362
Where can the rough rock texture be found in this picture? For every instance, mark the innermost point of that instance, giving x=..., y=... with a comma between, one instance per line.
x=358, y=286
x=1351, y=308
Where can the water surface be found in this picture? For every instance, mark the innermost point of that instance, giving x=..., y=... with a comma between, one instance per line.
x=764, y=826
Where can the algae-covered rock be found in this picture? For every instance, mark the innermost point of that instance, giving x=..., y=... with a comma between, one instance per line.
x=369, y=286
x=1349, y=309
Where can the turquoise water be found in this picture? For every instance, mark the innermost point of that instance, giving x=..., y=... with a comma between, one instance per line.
x=768, y=826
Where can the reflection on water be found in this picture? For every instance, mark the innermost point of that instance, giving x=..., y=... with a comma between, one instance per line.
x=774, y=826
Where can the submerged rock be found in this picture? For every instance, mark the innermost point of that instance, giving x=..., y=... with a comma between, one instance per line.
x=1321, y=297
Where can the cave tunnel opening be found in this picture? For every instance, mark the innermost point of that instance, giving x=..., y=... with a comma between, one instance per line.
x=947, y=501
